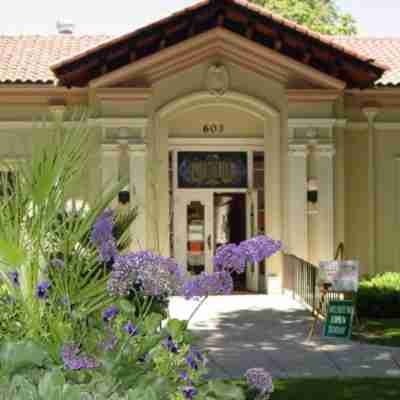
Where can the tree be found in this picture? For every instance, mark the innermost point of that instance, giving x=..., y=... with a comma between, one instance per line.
x=322, y=16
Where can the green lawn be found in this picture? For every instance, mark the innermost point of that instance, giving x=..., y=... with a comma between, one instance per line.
x=334, y=389
x=382, y=331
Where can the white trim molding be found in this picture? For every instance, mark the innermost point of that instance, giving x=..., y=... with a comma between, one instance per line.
x=136, y=122
x=240, y=101
x=222, y=143
x=317, y=122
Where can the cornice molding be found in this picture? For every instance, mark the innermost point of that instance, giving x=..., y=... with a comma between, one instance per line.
x=135, y=122
x=298, y=150
x=313, y=95
x=325, y=150
x=316, y=123
x=123, y=94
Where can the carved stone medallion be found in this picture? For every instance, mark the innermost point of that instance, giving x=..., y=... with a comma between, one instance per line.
x=217, y=80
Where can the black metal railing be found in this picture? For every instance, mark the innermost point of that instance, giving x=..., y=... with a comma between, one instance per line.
x=300, y=281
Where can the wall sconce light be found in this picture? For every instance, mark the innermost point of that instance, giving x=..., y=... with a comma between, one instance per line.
x=124, y=197
x=312, y=191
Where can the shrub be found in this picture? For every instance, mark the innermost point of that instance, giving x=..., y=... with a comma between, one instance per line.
x=379, y=297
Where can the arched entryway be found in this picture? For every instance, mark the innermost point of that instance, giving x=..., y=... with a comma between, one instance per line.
x=245, y=128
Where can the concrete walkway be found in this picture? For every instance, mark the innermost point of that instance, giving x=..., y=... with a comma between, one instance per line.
x=245, y=331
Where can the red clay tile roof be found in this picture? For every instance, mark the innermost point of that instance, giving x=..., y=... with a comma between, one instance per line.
x=27, y=59
x=386, y=50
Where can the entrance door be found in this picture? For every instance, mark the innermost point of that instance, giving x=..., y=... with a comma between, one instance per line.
x=194, y=230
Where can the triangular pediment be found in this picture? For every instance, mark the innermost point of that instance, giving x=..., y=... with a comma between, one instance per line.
x=265, y=31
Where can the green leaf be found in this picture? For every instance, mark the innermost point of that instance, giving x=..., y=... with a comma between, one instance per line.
x=15, y=356
x=71, y=392
x=226, y=391
x=51, y=385
x=152, y=323
x=23, y=389
x=154, y=389
x=11, y=254
x=126, y=306
x=176, y=328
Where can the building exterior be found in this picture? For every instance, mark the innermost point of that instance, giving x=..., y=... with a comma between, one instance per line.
x=227, y=121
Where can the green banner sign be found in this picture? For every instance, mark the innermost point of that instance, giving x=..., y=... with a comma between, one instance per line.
x=339, y=320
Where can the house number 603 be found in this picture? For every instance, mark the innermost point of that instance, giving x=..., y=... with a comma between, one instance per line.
x=213, y=128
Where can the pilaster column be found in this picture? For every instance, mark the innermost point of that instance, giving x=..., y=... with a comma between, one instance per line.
x=325, y=167
x=110, y=154
x=137, y=184
x=297, y=198
x=371, y=113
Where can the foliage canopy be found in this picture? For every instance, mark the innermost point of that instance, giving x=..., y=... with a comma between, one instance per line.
x=323, y=16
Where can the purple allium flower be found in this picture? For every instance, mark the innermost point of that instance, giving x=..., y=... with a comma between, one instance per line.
x=74, y=360
x=160, y=276
x=208, y=284
x=171, y=345
x=260, y=379
x=155, y=274
x=259, y=248
x=130, y=329
x=189, y=392
x=102, y=236
x=123, y=275
x=110, y=313
x=231, y=258
x=42, y=290
x=14, y=278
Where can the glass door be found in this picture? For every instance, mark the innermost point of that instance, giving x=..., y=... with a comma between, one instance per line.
x=194, y=230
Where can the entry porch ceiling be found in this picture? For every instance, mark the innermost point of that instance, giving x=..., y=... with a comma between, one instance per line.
x=236, y=16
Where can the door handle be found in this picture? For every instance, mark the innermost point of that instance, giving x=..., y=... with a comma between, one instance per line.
x=209, y=242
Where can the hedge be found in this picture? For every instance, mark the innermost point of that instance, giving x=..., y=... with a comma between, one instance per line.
x=379, y=297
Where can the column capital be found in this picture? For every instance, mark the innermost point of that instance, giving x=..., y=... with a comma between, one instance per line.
x=110, y=148
x=137, y=147
x=327, y=150
x=371, y=113
x=298, y=150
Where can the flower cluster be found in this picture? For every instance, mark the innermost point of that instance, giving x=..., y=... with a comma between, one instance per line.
x=102, y=236
x=123, y=275
x=155, y=275
x=230, y=258
x=160, y=276
x=74, y=360
x=207, y=284
x=260, y=380
x=233, y=258
x=260, y=247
